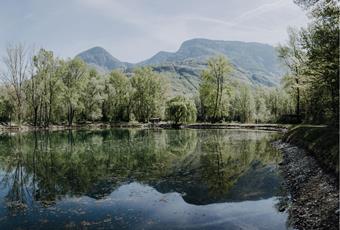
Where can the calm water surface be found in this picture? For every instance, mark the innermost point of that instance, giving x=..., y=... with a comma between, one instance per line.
x=140, y=179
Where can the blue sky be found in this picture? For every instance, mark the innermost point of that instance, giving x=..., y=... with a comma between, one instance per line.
x=133, y=30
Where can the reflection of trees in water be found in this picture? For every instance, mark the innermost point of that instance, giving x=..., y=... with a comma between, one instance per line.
x=16, y=179
x=43, y=166
x=211, y=171
x=225, y=158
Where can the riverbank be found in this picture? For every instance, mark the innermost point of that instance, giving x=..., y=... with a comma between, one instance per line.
x=310, y=170
x=321, y=142
x=162, y=125
x=314, y=202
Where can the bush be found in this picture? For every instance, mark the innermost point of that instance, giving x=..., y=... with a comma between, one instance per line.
x=180, y=110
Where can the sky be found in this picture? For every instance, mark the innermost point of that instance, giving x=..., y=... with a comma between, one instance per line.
x=134, y=30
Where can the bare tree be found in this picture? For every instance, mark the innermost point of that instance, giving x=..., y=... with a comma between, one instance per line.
x=16, y=63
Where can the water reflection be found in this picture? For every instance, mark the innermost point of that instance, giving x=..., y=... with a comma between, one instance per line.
x=39, y=170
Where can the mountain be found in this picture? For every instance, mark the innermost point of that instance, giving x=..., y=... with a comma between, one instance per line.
x=254, y=63
x=102, y=60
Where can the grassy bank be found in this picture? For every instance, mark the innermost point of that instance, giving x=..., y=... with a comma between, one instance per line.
x=320, y=141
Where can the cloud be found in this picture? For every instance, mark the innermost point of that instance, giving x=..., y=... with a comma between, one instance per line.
x=133, y=30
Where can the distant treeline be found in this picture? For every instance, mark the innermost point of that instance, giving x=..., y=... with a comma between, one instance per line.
x=41, y=89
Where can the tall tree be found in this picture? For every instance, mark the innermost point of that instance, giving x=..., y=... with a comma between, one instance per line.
x=294, y=58
x=118, y=92
x=6, y=106
x=148, y=94
x=73, y=80
x=213, y=89
x=246, y=104
x=16, y=62
x=93, y=96
x=43, y=86
x=321, y=42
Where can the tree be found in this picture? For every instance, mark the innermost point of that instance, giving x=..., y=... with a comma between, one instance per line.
x=180, y=110
x=16, y=63
x=73, y=80
x=213, y=89
x=294, y=58
x=117, y=103
x=321, y=42
x=148, y=94
x=261, y=109
x=6, y=107
x=33, y=94
x=93, y=96
x=42, y=87
x=246, y=104
x=320, y=45
x=278, y=103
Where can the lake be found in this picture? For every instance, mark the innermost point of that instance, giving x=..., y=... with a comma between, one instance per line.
x=141, y=179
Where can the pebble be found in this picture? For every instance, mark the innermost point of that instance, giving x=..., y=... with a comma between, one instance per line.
x=314, y=194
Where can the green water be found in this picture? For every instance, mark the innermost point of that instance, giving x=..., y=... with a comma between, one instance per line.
x=140, y=179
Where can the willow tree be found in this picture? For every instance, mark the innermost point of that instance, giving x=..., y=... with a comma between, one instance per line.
x=180, y=110
x=214, y=90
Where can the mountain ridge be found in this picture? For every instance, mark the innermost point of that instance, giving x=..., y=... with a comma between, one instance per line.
x=254, y=63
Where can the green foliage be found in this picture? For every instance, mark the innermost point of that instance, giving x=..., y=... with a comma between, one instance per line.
x=148, y=94
x=180, y=110
x=42, y=89
x=6, y=107
x=74, y=84
x=258, y=105
x=93, y=96
x=312, y=55
x=117, y=104
x=213, y=89
x=246, y=104
x=294, y=58
x=14, y=77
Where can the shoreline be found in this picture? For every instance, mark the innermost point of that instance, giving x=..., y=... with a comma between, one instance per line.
x=161, y=125
x=314, y=202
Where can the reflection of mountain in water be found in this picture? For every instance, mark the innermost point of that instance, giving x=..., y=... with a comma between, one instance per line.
x=205, y=166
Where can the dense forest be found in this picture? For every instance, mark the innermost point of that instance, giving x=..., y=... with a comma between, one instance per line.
x=40, y=89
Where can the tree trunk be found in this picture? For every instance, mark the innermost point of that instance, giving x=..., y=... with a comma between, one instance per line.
x=298, y=100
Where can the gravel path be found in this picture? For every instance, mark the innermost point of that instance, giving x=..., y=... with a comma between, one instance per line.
x=314, y=202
